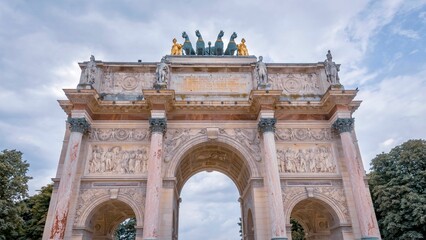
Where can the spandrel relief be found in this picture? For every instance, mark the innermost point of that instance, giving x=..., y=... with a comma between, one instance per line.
x=303, y=134
x=119, y=134
x=175, y=138
x=249, y=138
x=131, y=83
x=111, y=159
x=298, y=158
x=300, y=84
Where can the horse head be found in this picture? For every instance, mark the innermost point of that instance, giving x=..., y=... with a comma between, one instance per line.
x=198, y=34
x=233, y=36
x=220, y=35
x=184, y=35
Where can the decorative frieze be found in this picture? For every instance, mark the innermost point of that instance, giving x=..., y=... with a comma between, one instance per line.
x=305, y=159
x=117, y=160
x=303, y=134
x=296, y=84
x=344, y=124
x=119, y=134
x=122, y=82
x=267, y=125
x=158, y=125
x=78, y=125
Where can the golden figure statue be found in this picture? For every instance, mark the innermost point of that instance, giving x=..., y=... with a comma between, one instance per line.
x=242, y=49
x=176, y=48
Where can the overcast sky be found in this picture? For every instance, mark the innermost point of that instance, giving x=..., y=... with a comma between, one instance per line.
x=380, y=44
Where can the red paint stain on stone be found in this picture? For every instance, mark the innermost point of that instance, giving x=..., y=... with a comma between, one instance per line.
x=58, y=229
x=74, y=149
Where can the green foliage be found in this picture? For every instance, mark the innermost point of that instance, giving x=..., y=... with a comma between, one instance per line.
x=398, y=187
x=297, y=231
x=126, y=230
x=13, y=182
x=35, y=217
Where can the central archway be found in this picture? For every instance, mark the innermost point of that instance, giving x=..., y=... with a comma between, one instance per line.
x=214, y=156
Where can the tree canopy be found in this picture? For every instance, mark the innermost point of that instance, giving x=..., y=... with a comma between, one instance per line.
x=398, y=187
x=14, y=187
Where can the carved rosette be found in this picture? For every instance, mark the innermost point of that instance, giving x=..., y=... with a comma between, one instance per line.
x=158, y=125
x=267, y=125
x=344, y=124
x=78, y=125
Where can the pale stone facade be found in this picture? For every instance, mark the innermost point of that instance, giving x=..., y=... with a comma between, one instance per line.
x=132, y=143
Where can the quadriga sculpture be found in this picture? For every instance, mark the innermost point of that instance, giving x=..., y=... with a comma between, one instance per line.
x=232, y=46
x=200, y=44
x=187, y=46
x=218, y=45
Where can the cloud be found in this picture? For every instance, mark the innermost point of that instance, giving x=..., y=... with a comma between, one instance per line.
x=409, y=33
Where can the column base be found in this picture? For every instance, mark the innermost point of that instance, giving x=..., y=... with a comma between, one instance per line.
x=279, y=238
x=369, y=238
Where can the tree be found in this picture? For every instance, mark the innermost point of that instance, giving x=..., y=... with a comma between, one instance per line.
x=398, y=187
x=14, y=188
x=297, y=231
x=126, y=230
x=37, y=207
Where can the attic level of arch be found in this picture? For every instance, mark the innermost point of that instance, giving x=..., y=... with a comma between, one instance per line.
x=207, y=88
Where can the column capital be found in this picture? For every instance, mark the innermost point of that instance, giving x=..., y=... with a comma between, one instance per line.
x=157, y=125
x=78, y=125
x=344, y=124
x=267, y=125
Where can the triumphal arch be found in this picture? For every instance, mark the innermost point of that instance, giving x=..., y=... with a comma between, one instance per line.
x=283, y=132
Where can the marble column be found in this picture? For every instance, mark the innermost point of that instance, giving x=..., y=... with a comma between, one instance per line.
x=363, y=203
x=154, y=184
x=276, y=209
x=78, y=127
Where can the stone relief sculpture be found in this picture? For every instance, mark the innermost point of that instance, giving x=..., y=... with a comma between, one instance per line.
x=247, y=137
x=331, y=70
x=162, y=74
x=261, y=74
x=175, y=139
x=176, y=48
x=118, y=134
x=242, y=48
x=89, y=75
x=301, y=84
x=116, y=160
x=303, y=134
x=318, y=159
x=133, y=83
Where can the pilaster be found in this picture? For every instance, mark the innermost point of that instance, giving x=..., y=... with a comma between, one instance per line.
x=266, y=126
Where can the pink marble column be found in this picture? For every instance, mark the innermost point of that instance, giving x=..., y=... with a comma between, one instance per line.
x=78, y=126
x=272, y=177
x=363, y=204
x=154, y=184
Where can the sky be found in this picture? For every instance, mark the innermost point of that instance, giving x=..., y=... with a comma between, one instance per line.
x=380, y=45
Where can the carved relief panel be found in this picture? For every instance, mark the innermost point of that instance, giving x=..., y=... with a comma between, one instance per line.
x=297, y=83
x=303, y=134
x=107, y=159
x=127, y=83
x=306, y=158
x=119, y=134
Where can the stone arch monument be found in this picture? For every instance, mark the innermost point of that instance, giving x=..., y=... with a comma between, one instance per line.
x=133, y=138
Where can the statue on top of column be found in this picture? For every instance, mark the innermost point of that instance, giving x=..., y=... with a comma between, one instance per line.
x=331, y=70
x=261, y=74
x=162, y=74
x=89, y=75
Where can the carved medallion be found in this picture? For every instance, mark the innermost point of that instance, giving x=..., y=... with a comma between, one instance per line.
x=129, y=83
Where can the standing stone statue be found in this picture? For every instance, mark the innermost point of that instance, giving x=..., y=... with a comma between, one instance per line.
x=90, y=72
x=331, y=70
x=261, y=74
x=162, y=74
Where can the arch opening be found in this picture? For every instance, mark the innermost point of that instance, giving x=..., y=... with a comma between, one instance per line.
x=318, y=219
x=210, y=208
x=104, y=220
x=213, y=157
